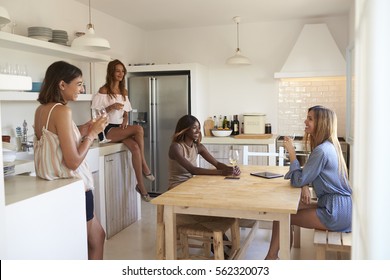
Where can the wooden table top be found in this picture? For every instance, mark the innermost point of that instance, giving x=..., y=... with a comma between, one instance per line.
x=249, y=193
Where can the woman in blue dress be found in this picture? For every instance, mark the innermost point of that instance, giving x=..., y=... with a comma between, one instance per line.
x=326, y=171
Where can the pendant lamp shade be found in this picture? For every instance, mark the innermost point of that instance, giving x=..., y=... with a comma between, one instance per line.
x=4, y=17
x=89, y=41
x=238, y=58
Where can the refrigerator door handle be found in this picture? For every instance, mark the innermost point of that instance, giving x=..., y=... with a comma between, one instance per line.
x=153, y=125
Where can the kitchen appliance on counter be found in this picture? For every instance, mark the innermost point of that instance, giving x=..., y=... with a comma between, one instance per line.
x=254, y=123
x=158, y=99
x=302, y=155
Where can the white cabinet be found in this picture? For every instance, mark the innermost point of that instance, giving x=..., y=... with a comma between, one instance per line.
x=221, y=153
x=44, y=219
x=120, y=197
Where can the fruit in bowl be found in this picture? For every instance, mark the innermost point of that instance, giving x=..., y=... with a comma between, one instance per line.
x=221, y=132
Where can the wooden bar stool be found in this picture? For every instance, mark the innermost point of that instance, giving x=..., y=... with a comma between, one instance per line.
x=325, y=240
x=209, y=231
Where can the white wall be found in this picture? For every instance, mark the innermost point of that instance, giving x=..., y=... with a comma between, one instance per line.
x=371, y=217
x=126, y=40
x=239, y=89
x=232, y=90
x=126, y=44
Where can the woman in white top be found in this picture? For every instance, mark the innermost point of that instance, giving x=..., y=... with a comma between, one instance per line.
x=113, y=96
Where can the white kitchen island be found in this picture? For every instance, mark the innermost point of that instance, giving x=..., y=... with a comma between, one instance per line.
x=46, y=219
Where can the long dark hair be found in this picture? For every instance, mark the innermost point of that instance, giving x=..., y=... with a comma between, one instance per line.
x=110, y=79
x=183, y=125
x=55, y=73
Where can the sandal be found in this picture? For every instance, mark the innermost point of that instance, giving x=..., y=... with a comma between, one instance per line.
x=144, y=197
x=150, y=177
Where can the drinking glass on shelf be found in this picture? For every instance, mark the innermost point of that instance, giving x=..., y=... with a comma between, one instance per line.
x=97, y=113
x=233, y=158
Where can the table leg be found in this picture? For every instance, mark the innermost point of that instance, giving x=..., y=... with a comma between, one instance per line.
x=284, y=237
x=160, y=233
x=170, y=233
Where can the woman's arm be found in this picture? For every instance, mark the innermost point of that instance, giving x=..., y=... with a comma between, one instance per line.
x=125, y=121
x=73, y=152
x=310, y=171
x=176, y=153
x=84, y=128
x=209, y=158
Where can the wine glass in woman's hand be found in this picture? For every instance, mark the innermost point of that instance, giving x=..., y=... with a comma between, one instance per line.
x=292, y=137
x=102, y=112
x=233, y=158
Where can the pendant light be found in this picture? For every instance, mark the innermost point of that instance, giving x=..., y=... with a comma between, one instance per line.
x=238, y=58
x=89, y=41
x=4, y=17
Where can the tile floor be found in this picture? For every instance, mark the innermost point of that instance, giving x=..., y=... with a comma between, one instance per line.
x=137, y=242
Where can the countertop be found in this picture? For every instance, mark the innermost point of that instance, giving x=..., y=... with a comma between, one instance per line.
x=232, y=140
x=18, y=188
x=21, y=187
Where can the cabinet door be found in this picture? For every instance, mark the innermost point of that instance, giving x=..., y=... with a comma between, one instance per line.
x=221, y=153
x=118, y=193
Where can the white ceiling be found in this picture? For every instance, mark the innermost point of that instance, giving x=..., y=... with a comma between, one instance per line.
x=172, y=14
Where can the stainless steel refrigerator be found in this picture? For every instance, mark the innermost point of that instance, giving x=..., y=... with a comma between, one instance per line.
x=158, y=101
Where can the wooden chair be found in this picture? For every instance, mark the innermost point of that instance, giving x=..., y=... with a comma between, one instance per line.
x=207, y=231
x=325, y=240
x=202, y=226
x=246, y=154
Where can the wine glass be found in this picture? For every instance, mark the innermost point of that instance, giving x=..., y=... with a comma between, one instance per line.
x=292, y=137
x=97, y=113
x=233, y=158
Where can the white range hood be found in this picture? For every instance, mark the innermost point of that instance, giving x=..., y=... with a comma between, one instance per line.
x=315, y=54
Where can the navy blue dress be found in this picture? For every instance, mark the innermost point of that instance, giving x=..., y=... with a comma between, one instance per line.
x=333, y=192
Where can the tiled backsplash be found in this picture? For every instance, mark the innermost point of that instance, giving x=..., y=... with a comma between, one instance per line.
x=297, y=95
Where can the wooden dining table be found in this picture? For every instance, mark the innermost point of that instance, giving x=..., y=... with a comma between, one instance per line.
x=248, y=197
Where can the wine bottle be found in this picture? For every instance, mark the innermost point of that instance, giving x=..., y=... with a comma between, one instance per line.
x=225, y=123
x=235, y=125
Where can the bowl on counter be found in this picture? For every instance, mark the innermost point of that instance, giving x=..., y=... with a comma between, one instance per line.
x=221, y=132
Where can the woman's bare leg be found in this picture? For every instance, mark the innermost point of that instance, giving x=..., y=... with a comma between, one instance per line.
x=306, y=217
x=274, y=246
x=96, y=237
x=136, y=132
x=136, y=159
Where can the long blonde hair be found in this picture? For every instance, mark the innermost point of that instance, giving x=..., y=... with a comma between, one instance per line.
x=325, y=126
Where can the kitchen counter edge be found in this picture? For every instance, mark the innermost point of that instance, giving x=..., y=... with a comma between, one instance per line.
x=22, y=187
x=238, y=141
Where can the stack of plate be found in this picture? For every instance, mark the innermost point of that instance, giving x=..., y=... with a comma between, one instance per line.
x=40, y=33
x=9, y=168
x=9, y=156
x=60, y=37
